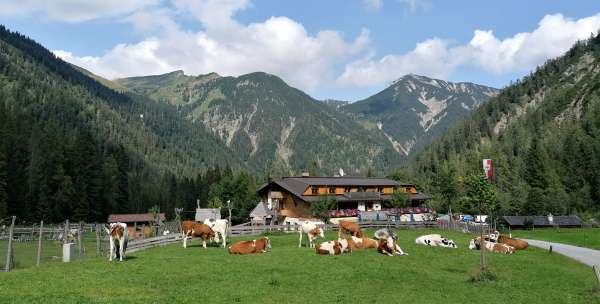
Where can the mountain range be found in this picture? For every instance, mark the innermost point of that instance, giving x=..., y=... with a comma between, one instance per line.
x=272, y=126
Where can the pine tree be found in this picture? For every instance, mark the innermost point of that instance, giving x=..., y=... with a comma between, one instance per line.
x=3, y=165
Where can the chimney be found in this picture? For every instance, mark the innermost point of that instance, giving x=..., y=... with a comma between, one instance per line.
x=305, y=174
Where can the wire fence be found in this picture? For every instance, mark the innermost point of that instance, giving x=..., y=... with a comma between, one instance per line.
x=24, y=245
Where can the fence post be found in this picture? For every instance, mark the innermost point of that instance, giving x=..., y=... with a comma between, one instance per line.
x=79, y=232
x=9, y=251
x=98, y=232
x=143, y=231
x=66, y=232
x=39, y=251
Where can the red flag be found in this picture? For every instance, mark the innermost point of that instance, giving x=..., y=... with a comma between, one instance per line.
x=487, y=168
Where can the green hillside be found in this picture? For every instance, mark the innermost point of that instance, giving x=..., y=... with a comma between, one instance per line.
x=270, y=125
x=543, y=134
x=73, y=148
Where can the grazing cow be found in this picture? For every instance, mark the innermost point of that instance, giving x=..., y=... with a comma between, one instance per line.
x=435, y=240
x=350, y=227
x=219, y=227
x=362, y=243
x=191, y=229
x=491, y=246
x=117, y=233
x=333, y=247
x=248, y=247
x=517, y=244
x=312, y=230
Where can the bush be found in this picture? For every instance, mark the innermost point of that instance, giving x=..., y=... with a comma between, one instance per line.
x=477, y=276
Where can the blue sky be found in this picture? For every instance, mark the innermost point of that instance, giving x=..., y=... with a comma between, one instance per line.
x=331, y=49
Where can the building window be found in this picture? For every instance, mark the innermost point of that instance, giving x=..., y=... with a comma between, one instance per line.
x=315, y=190
x=380, y=189
x=331, y=190
x=347, y=190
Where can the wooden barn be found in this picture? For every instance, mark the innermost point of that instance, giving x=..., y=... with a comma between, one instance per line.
x=292, y=196
x=139, y=225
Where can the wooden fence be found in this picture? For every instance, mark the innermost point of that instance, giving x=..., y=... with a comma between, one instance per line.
x=247, y=229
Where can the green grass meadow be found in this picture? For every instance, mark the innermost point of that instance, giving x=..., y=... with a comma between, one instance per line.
x=582, y=237
x=288, y=275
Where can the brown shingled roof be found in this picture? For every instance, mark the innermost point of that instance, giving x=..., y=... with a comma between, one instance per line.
x=131, y=218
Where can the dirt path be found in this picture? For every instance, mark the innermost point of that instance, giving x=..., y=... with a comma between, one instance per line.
x=586, y=256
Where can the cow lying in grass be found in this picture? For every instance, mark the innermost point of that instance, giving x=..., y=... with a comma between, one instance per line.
x=491, y=246
x=435, y=240
x=117, y=233
x=388, y=247
x=362, y=243
x=312, y=230
x=333, y=247
x=193, y=229
x=517, y=244
x=248, y=247
x=349, y=227
x=384, y=234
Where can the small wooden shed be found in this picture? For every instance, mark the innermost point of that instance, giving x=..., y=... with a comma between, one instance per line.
x=138, y=225
x=261, y=214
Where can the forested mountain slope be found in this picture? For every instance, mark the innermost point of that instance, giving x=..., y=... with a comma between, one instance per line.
x=73, y=148
x=270, y=125
x=543, y=134
x=415, y=109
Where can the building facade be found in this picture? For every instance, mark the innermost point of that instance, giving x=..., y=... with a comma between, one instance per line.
x=292, y=196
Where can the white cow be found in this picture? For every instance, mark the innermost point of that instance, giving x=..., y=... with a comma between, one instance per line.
x=117, y=233
x=219, y=227
x=312, y=230
x=435, y=240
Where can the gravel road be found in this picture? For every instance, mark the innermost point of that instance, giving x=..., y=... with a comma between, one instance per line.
x=586, y=256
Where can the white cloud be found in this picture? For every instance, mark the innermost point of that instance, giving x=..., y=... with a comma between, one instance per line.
x=436, y=57
x=373, y=4
x=72, y=10
x=278, y=45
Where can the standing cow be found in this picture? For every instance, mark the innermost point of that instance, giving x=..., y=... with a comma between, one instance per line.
x=312, y=230
x=219, y=227
x=117, y=233
x=191, y=229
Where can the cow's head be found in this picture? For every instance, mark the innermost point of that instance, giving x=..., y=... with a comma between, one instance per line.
x=474, y=244
x=267, y=243
x=448, y=243
x=344, y=245
x=391, y=244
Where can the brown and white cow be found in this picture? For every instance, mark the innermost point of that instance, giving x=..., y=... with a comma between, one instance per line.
x=491, y=246
x=312, y=230
x=362, y=243
x=517, y=244
x=248, y=247
x=349, y=227
x=388, y=246
x=193, y=229
x=117, y=233
x=333, y=247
